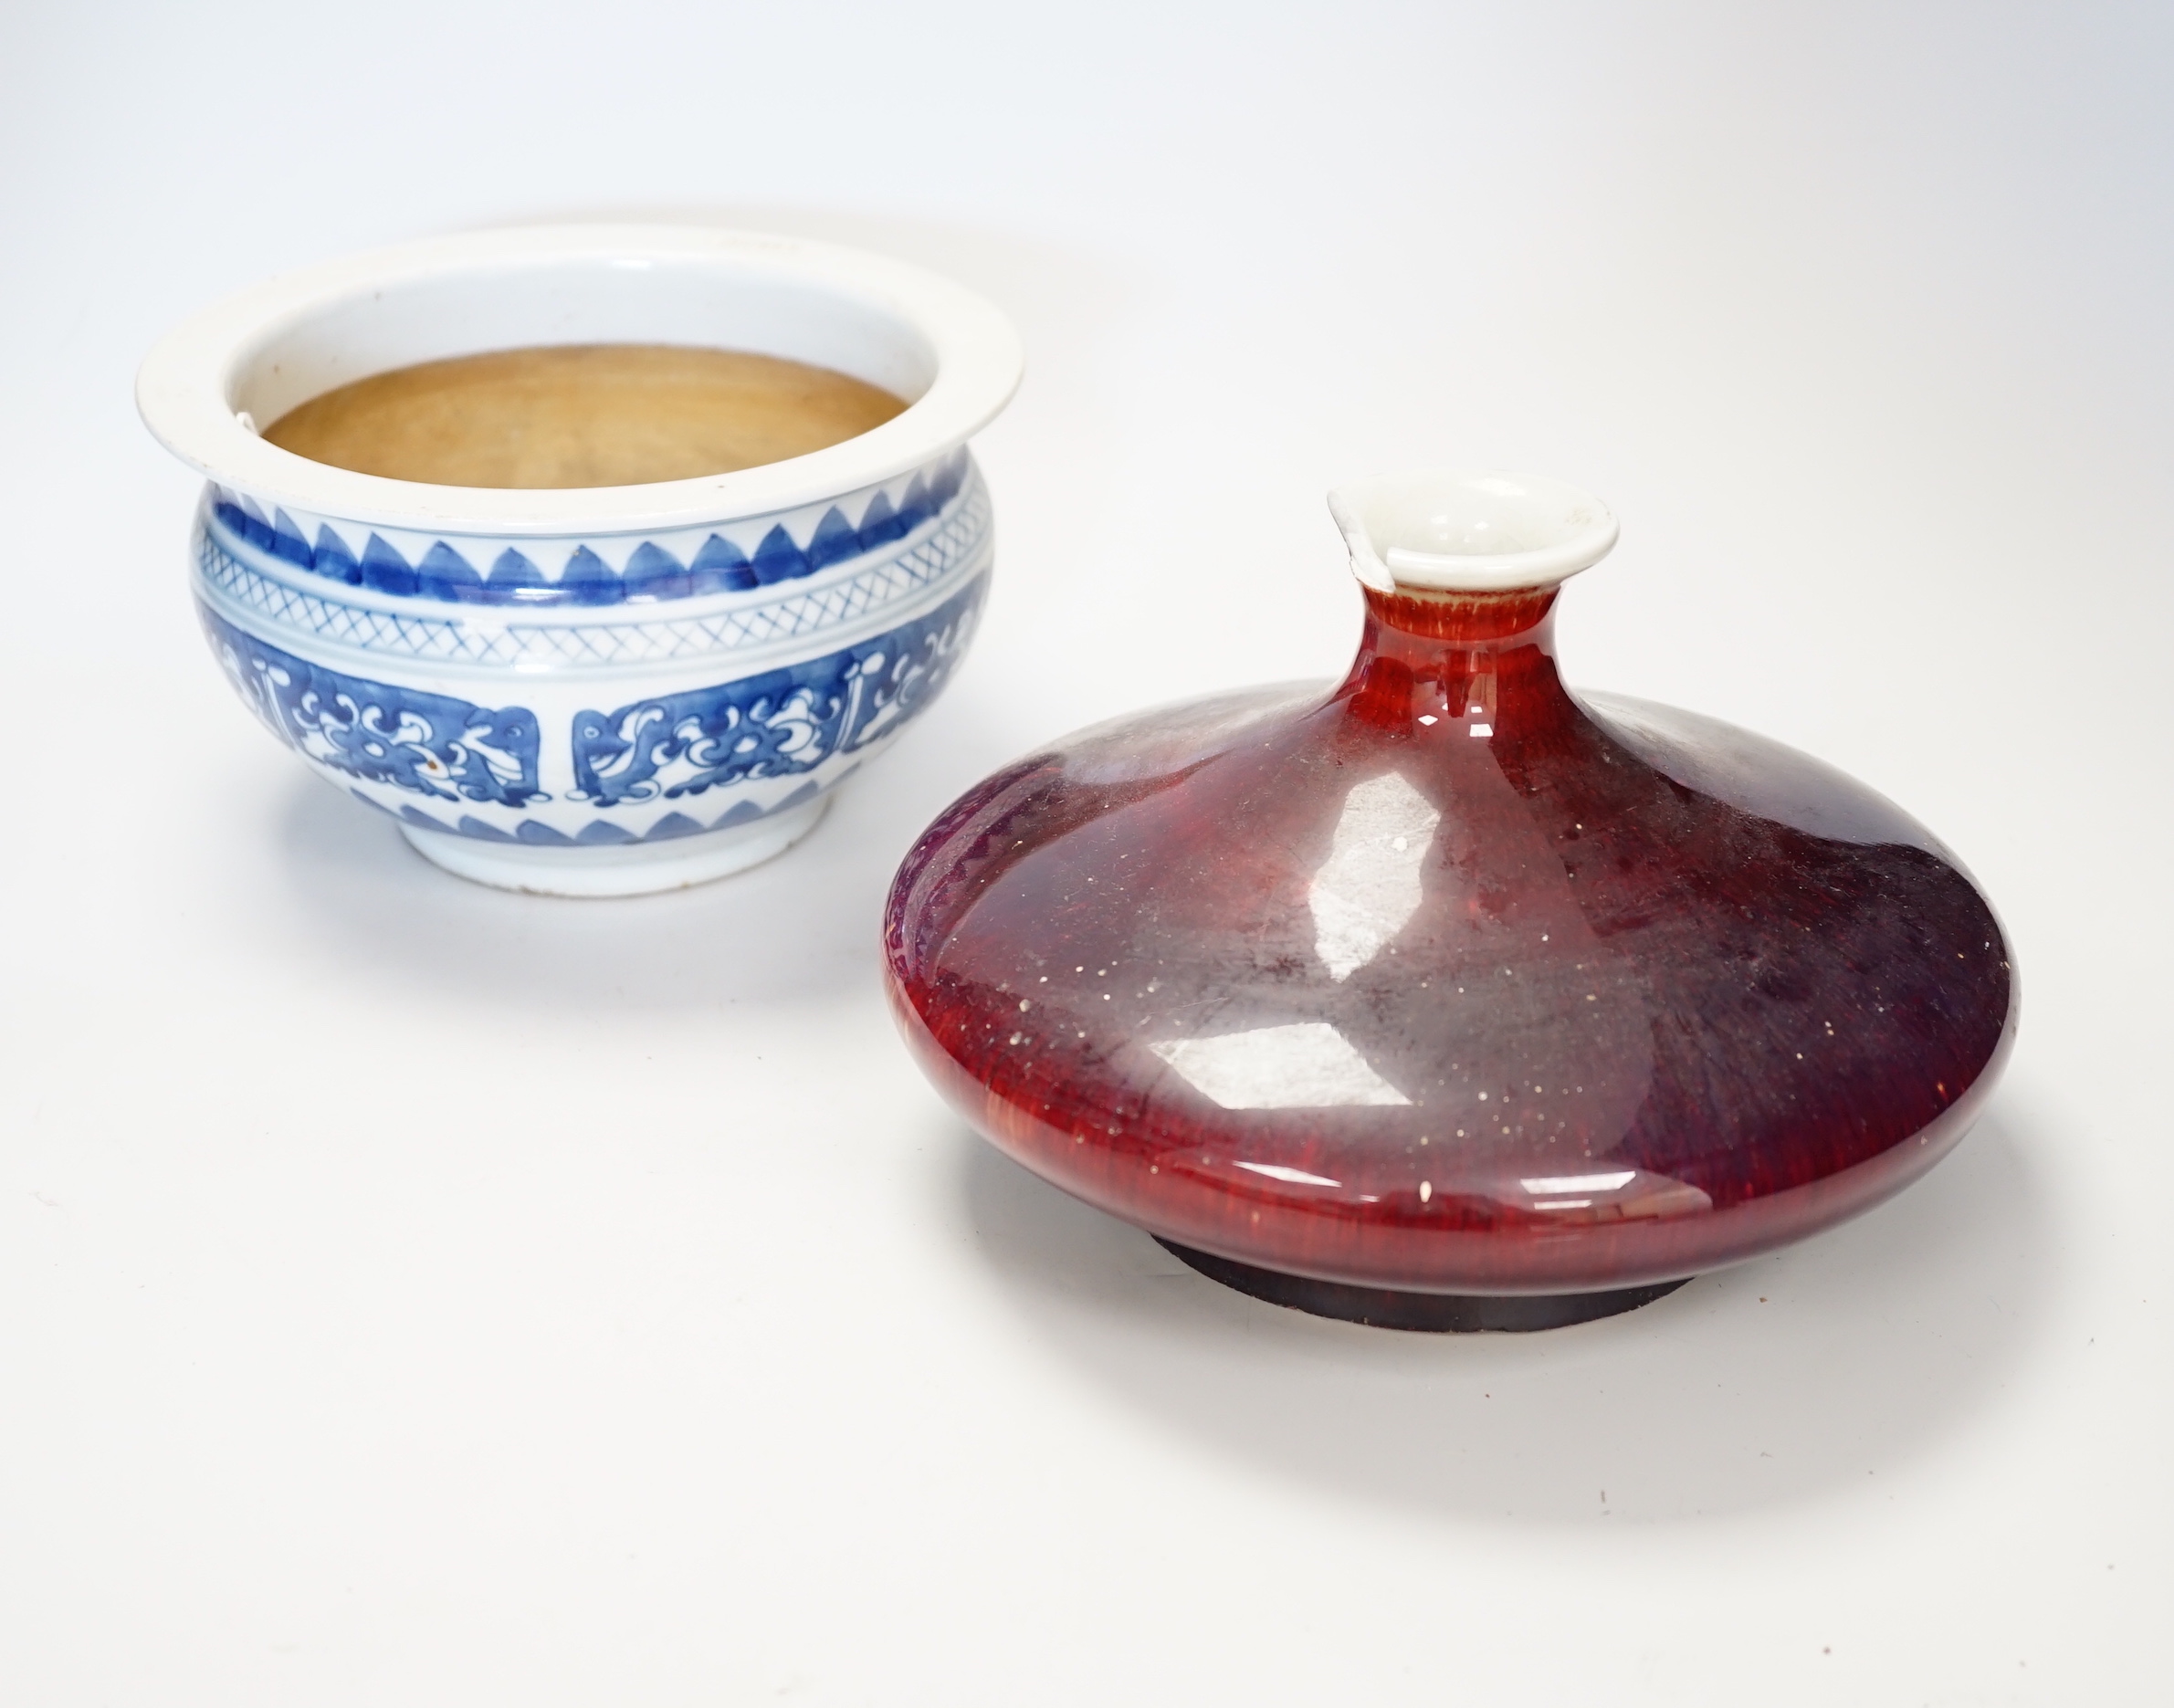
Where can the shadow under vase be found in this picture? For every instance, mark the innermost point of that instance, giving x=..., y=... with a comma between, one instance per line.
x=1804, y=1372
x=1425, y=1313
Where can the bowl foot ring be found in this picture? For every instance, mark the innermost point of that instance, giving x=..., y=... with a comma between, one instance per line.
x=1427, y=1313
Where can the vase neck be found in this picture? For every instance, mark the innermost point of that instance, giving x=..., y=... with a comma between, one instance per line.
x=1409, y=621
x=1425, y=658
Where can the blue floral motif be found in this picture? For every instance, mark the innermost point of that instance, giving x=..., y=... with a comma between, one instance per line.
x=428, y=744
x=652, y=573
x=774, y=724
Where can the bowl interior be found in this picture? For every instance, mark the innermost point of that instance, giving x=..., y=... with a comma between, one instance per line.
x=581, y=300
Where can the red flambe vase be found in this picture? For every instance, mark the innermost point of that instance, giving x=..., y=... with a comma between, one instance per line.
x=1447, y=998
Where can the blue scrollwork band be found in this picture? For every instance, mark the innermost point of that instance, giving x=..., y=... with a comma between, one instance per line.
x=428, y=744
x=774, y=724
x=675, y=746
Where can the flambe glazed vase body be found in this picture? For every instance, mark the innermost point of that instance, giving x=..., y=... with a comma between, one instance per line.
x=1445, y=997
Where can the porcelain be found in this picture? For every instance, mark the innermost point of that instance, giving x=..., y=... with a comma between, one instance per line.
x=604, y=691
x=1442, y=997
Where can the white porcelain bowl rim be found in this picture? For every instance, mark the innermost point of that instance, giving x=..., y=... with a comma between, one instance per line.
x=186, y=387
x=1537, y=531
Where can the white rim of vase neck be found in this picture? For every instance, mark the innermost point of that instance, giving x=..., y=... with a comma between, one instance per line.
x=1469, y=531
x=264, y=349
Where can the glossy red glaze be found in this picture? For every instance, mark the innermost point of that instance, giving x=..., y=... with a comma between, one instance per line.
x=1446, y=980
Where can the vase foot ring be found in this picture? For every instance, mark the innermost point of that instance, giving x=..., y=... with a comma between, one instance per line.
x=623, y=869
x=1427, y=1313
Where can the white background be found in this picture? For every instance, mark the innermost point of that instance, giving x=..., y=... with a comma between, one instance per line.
x=411, y=1294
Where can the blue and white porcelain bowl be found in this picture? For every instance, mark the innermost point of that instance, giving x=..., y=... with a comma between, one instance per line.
x=598, y=691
